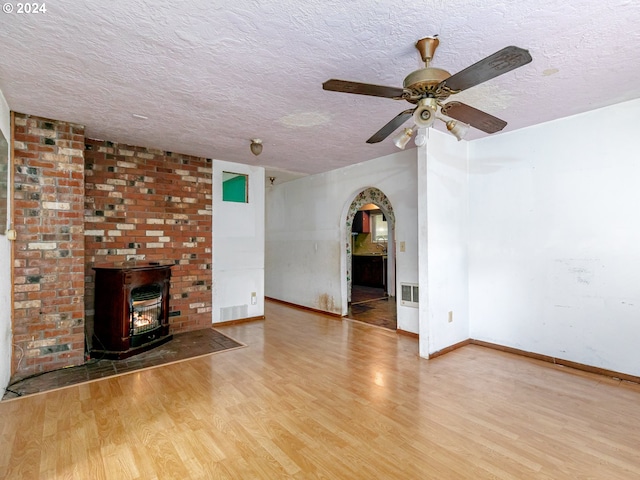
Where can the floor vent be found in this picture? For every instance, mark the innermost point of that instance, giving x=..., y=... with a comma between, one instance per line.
x=409, y=294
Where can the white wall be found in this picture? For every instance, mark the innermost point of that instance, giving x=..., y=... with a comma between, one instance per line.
x=305, y=261
x=555, y=238
x=443, y=223
x=238, y=247
x=5, y=271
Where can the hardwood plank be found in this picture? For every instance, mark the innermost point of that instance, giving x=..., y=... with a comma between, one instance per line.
x=315, y=397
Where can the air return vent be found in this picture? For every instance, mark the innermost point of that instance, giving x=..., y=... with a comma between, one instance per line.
x=234, y=312
x=409, y=294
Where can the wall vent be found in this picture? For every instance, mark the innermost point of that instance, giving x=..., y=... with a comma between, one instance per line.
x=409, y=294
x=236, y=312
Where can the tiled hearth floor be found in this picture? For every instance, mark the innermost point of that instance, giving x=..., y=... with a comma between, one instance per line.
x=181, y=347
x=372, y=306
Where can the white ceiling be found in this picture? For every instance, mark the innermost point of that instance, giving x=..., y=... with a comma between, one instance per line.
x=211, y=75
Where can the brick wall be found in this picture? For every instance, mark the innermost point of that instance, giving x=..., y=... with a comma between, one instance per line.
x=151, y=205
x=79, y=202
x=48, y=323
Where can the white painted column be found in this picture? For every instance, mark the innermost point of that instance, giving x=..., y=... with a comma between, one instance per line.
x=5, y=266
x=423, y=271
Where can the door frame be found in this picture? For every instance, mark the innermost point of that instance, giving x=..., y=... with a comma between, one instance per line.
x=357, y=200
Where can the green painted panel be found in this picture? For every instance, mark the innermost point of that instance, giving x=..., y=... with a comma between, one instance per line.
x=234, y=187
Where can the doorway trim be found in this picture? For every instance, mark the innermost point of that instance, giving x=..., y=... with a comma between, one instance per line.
x=378, y=198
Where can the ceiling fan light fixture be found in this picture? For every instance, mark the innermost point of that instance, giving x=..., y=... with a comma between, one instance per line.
x=430, y=87
x=256, y=146
x=457, y=129
x=402, y=139
x=425, y=113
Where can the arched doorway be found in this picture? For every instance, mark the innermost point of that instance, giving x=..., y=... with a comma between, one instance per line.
x=365, y=303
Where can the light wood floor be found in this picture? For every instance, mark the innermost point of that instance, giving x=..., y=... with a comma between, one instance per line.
x=318, y=397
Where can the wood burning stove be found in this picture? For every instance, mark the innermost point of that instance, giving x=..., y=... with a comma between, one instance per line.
x=131, y=309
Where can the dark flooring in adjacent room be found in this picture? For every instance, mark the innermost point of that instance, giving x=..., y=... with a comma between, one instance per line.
x=182, y=346
x=373, y=306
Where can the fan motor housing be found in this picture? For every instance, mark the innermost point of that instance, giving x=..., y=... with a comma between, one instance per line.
x=424, y=83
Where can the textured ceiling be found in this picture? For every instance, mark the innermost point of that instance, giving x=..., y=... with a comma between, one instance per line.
x=212, y=75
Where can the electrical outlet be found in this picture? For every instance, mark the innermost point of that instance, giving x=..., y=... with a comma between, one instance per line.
x=254, y=298
x=450, y=317
x=402, y=247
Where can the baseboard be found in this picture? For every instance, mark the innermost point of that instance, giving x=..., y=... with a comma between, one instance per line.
x=538, y=356
x=558, y=361
x=450, y=348
x=407, y=334
x=236, y=322
x=494, y=346
x=302, y=307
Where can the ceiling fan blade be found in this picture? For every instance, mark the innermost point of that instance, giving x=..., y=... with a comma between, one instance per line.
x=390, y=127
x=474, y=117
x=503, y=61
x=362, y=88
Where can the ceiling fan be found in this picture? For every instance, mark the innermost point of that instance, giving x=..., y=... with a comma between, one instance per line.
x=429, y=87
